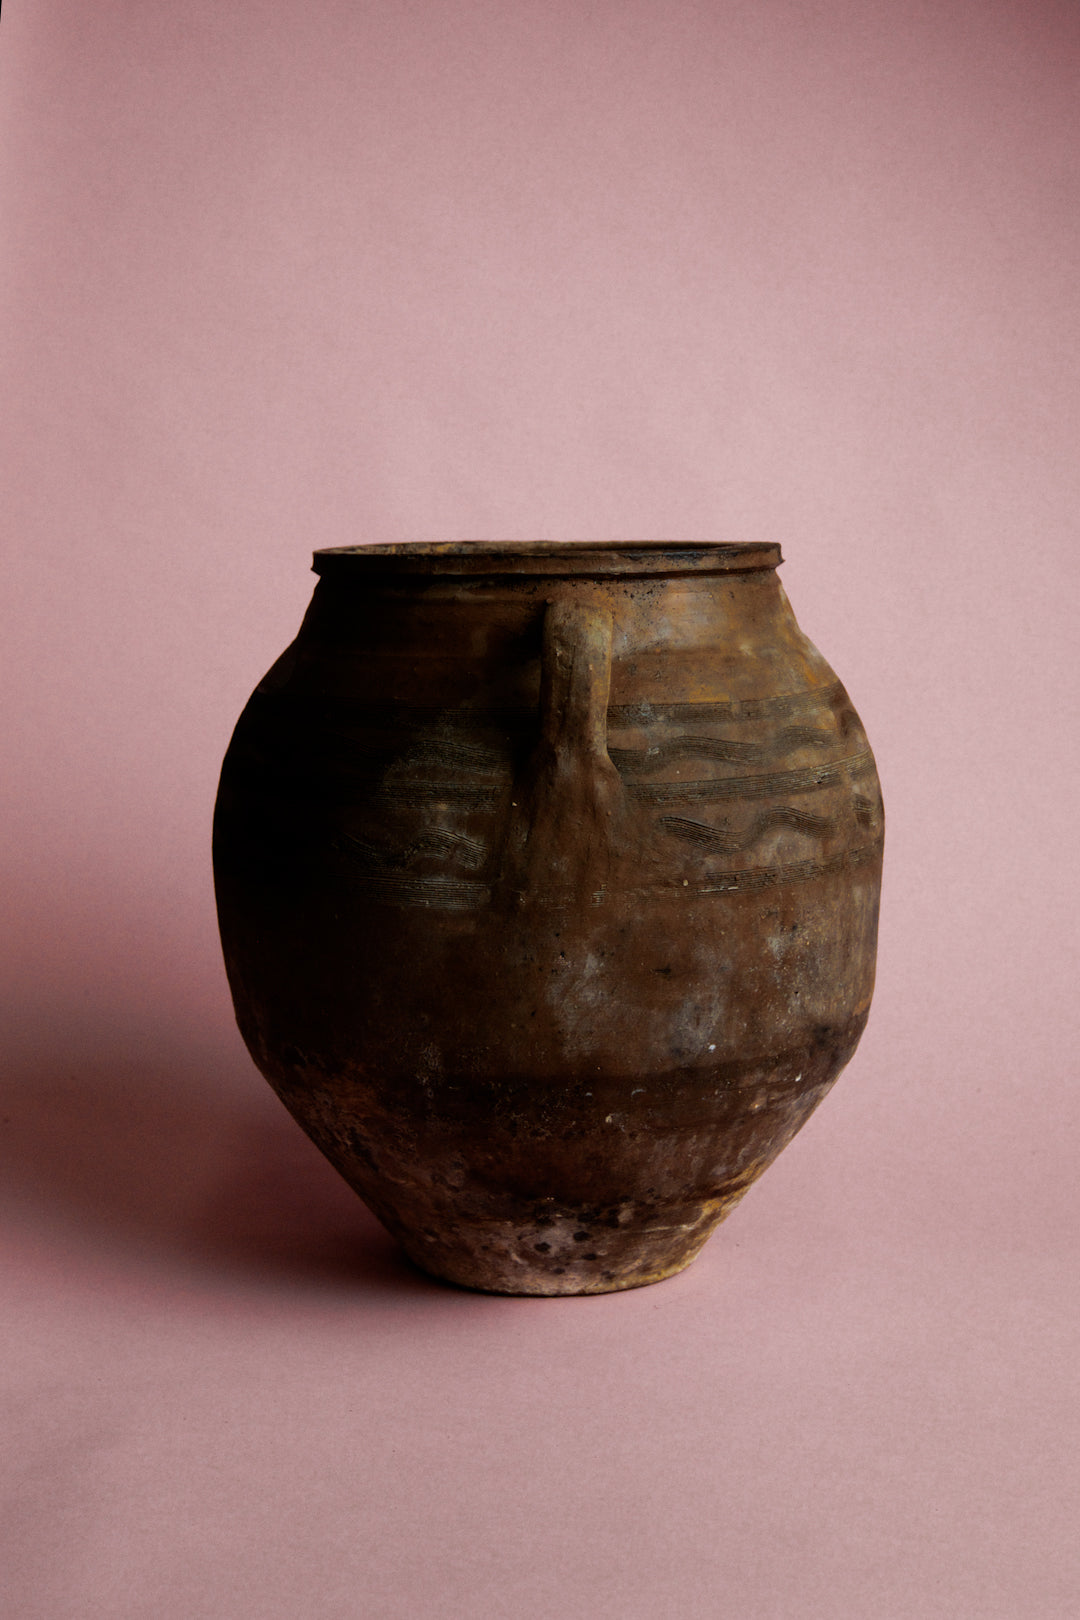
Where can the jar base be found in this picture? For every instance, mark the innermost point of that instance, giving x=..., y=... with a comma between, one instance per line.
x=563, y=1257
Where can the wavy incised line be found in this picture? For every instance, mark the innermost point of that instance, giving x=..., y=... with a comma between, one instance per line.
x=647, y=761
x=637, y=714
x=801, y=737
x=754, y=878
x=867, y=811
x=418, y=794
x=808, y=780
x=696, y=832
x=467, y=852
x=444, y=893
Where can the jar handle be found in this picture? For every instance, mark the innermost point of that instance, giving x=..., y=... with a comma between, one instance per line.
x=571, y=801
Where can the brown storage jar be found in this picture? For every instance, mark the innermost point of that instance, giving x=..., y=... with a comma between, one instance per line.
x=548, y=881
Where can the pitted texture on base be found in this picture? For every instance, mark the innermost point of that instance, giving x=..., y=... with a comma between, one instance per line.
x=568, y=1253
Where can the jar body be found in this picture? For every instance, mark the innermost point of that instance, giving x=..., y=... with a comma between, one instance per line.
x=549, y=899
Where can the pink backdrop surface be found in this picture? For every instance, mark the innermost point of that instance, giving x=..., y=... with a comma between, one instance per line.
x=275, y=277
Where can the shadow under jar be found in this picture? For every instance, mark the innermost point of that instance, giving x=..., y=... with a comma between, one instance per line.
x=548, y=881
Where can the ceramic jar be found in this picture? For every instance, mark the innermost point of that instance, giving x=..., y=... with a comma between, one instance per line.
x=548, y=882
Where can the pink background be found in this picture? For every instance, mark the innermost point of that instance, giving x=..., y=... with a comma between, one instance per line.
x=278, y=276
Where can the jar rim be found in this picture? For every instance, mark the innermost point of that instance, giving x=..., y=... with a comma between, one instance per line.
x=547, y=557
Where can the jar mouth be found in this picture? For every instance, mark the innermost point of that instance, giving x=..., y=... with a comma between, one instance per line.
x=546, y=557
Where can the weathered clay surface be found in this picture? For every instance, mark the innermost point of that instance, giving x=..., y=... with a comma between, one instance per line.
x=548, y=882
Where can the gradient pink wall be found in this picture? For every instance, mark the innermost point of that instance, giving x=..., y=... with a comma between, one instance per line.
x=275, y=277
